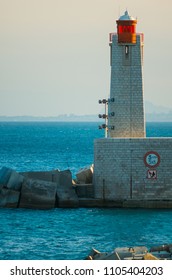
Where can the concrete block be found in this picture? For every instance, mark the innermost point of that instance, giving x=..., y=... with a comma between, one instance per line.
x=85, y=175
x=65, y=179
x=85, y=190
x=10, y=179
x=5, y=173
x=50, y=176
x=66, y=195
x=15, y=181
x=37, y=194
x=9, y=198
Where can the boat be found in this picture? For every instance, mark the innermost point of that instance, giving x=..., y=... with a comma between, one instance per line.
x=161, y=252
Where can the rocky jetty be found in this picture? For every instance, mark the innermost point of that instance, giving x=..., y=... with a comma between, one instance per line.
x=44, y=189
x=37, y=190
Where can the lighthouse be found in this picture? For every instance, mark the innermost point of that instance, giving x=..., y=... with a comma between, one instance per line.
x=130, y=169
x=126, y=106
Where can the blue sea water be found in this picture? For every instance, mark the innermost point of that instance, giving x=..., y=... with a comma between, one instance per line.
x=65, y=234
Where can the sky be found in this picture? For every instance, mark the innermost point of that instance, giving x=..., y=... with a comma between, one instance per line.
x=55, y=57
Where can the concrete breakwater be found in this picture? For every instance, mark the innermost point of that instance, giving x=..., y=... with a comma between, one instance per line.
x=44, y=189
x=53, y=189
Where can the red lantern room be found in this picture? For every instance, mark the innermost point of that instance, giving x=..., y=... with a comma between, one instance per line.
x=126, y=28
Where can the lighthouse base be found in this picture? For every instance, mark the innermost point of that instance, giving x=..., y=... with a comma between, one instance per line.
x=124, y=172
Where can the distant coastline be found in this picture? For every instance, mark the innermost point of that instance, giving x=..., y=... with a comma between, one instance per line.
x=150, y=117
x=153, y=113
x=59, y=118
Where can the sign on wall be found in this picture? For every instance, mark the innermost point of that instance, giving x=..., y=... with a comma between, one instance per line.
x=152, y=174
x=152, y=159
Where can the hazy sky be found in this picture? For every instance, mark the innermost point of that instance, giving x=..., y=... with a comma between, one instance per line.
x=54, y=54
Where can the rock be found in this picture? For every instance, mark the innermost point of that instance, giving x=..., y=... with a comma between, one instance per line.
x=85, y=175
x=37, y=194
x=66, y=195
x=9, y=198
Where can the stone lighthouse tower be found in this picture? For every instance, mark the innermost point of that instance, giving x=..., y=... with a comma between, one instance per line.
x=125, y=106
x=130, y=170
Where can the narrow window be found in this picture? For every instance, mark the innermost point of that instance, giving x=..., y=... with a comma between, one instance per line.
x=126, y=55
x=126, y=50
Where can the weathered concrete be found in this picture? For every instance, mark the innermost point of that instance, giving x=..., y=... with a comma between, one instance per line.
x=160, y=204
x=5, y=174
x=66, y=195
x=10, y=179
x=9, y=198
x=15, y=181
x=84, y=190
x=154, y=204
x=85, y=175
x=50, y=176
x=55, y=191
x=93, y=202
x=37, y=194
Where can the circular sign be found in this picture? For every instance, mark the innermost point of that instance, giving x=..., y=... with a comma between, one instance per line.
x=152, y=159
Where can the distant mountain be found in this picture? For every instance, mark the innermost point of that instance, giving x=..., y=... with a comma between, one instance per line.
x=152, y=108
x=156, y=113
x=153, y=114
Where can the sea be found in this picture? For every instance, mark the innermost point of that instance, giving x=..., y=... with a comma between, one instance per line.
x=70, y=234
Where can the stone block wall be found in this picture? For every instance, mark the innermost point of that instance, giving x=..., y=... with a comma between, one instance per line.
x=120, y=172
x=126, y=112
